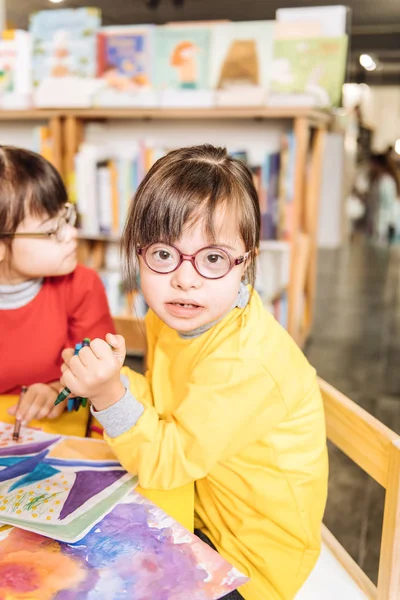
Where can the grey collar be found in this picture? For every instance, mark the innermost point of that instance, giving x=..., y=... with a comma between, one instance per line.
x=16, y=296
x=241, y=302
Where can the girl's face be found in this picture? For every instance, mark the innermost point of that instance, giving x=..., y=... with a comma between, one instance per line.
x=185, y=300
x=42, y=256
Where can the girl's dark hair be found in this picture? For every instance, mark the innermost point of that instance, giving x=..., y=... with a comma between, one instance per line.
x=29, y=185
x=187, y=186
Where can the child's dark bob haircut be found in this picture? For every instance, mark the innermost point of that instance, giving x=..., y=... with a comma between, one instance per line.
x=29, y=186
x=185, y=187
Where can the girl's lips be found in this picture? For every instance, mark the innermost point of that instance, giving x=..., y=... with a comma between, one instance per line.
x=184, y=301
x=187, y=309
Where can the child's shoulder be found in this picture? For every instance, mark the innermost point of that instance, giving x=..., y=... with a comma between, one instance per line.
x=265, y=340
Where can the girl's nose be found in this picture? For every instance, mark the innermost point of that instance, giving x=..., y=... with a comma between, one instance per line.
x=186, y=277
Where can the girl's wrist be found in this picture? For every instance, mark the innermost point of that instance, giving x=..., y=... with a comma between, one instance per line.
x=109, y=396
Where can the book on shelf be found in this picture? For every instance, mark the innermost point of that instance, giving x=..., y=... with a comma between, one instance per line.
x=308, y=71
x=15, y=70
x=241, y=61
x=106, y=179
x=310, y=56
x=182, y=66
x=64, y=57
x=125, y=66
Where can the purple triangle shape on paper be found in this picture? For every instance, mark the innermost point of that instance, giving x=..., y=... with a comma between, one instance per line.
x=26, y=449
x=86, y=485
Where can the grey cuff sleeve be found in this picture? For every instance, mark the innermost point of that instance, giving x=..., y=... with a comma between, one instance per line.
x=120, y=417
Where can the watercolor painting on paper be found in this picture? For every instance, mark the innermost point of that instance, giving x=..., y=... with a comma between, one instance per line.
x=58, y=486
x=135, y=552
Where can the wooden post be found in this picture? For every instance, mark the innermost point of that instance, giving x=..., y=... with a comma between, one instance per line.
x=55, y=127
x=389, y=564
x=301, y=257
x=73, y=137
x=310, y=223
x=301, y=132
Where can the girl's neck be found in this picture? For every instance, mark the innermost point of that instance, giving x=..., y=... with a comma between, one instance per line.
x=14, y=296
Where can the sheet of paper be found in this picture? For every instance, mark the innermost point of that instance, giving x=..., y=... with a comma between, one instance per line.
x=58, y=486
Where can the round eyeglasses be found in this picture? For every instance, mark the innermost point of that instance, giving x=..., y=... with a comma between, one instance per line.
x=59, y=232
x=211, y=262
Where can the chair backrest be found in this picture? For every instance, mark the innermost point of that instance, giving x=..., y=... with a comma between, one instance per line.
x=376, y=449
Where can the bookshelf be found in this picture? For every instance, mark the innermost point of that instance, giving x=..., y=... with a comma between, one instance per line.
x=309, y=126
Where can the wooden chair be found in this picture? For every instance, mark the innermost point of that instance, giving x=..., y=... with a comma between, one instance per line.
x=376, y=449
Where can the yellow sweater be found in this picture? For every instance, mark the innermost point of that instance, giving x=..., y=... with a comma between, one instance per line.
x=237, y=410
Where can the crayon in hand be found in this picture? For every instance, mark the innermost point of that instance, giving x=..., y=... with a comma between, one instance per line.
x=63, y=395
x=17, y=426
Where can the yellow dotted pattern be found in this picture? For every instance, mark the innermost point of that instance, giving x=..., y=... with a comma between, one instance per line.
x=44, y=486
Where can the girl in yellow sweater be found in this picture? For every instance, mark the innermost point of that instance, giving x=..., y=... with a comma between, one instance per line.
x=228, y=401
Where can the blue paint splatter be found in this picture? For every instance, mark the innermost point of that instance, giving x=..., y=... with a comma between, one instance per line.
x=39, y=473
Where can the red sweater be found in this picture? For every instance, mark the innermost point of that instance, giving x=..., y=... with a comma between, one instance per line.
x=66, y=310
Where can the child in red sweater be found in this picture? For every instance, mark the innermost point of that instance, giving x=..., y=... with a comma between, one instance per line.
x=47, y=302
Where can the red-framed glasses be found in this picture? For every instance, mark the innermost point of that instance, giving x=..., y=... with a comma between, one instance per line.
x=211, y=262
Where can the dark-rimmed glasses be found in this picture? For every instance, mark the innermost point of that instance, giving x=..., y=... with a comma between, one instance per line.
x=211, y=262
x=59, y=231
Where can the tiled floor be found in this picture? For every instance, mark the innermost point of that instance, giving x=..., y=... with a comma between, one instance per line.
x=356, y=347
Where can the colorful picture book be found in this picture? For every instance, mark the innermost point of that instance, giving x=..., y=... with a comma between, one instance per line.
x=57, y=486
x=64, y=56
x=242, y=57
x=136, y=551
x=309, y=71
x=182, y=65
x=124, y=64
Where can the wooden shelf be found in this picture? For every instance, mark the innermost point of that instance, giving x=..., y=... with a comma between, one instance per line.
x=252, y=112
x=241, y=112
x=35, y=114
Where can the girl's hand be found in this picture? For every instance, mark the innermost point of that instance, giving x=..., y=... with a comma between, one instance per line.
x=38, y=403
x=94, y=373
